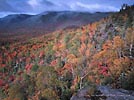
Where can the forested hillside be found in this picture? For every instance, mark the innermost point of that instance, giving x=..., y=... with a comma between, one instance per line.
x=57, y=65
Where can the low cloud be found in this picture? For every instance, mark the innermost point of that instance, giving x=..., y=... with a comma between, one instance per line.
x=33, y=3
x=92, y=7
x=38, y=6
x=5, y=6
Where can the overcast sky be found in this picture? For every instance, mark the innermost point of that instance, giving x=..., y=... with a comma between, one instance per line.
x=38, y=6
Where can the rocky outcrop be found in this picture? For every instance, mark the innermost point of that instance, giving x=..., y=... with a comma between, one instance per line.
x=103, y=93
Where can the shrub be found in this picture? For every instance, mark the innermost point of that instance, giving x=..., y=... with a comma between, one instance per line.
x=49, y=94
x=35, y=68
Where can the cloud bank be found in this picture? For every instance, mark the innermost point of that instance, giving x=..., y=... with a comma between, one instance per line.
x=38, y=6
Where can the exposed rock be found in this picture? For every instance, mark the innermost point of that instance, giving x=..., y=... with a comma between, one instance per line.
x=81, y=95
x=103, y=93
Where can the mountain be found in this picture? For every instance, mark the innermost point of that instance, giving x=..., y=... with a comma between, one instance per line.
x=46, y=22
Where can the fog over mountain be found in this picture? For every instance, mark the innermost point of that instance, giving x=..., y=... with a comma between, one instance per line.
x=37, y=6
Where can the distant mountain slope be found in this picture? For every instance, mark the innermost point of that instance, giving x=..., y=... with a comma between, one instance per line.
x=46, y=22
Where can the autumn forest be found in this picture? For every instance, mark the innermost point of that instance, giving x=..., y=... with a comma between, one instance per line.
x=57, y=65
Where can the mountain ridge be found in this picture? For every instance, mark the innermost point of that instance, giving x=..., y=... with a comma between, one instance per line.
x=46, y=22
